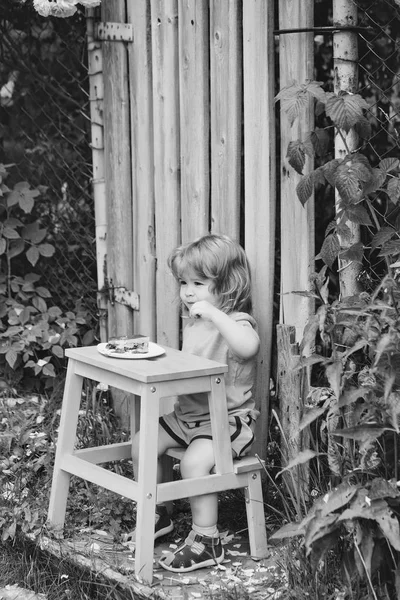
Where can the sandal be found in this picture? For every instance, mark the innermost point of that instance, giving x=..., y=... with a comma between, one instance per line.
x=163, y=525
x=196, y=552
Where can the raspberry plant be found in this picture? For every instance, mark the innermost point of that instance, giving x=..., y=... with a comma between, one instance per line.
x=33, y=333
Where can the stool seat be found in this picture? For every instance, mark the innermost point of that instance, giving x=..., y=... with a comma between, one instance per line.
x=240, y=465
x=151, y=381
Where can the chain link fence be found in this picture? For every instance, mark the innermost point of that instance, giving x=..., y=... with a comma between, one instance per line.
x=379, y=84
x=45, y=134
x=378, y=38
x=45, y=126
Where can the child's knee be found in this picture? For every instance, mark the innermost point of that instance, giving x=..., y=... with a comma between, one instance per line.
x=193, y=466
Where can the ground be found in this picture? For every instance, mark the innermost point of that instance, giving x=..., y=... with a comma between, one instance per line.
x=239, y=576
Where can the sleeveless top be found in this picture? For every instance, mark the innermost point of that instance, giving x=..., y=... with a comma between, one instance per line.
x=203, y=339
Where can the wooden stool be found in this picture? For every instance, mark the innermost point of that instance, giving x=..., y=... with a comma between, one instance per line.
x=171, y=374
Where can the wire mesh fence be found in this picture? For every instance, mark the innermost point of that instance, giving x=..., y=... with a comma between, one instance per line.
x=45, y=125
x=45, y=135
x=378, y=47
x=379, y=84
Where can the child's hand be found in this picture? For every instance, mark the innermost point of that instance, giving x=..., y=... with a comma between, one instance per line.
x=203, y=310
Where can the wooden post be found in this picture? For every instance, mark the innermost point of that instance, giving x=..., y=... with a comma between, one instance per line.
x=96, y=97
x=117, y=169
x=226, y=76
x=164, y=27
x=296, y=61
x=290, y=395
x=141, y=102
x=259, y=148
x=194, y=117
x=345, y=63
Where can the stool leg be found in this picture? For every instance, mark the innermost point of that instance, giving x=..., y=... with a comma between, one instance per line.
x=256, y=516
x=65, y=446
x=147, y=483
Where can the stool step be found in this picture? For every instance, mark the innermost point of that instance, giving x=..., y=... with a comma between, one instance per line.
x=240, y=465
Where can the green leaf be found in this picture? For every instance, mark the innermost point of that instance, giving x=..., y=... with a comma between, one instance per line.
x=46, y=249
x=305, y=188
x=389, y=164
x=296, y=154
x=337, y=498
x=88, y=338
x=319, y=527
x=32, y=233
x=40, y=304
x=345, y=109
x=300, y=459
x=320, y=141
x=15, y=248
x=288, y=531
x=26, y=200
x=57, y=351
x=363, y=128
x=334, y=374
x=33, y=255
x=330, y=250
x=393, y=189
x=296, y=98
x=330, y=169
x=13, y=198
x=356, y=214
x=10, y=233
x=380, y=488
x=352, y=395
x=3, y=246
x=310, y=416
x=49, y=370
x=43, y=292
x=11, y=357
x=378, y=178
x=390, y=248
x=382, y=236
x=355, y=253
x=364, y=433
x=349, y=179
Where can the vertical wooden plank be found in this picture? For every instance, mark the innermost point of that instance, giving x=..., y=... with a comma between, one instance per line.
x=259, y=149
x=194, y=121
x=164, y=27
x=226, y=116
x=297, y=221
x=96, y=95
x=141, y=102
x=117, y=169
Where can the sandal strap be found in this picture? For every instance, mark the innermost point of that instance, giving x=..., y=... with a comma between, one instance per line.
x=196, y=543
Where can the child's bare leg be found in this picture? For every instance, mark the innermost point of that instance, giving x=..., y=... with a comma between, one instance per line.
x=198, y=461
x=202, y=547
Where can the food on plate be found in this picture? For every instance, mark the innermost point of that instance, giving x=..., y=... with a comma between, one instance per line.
x=137, y=344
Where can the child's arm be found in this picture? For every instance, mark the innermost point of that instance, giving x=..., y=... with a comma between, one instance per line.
x=242, y=340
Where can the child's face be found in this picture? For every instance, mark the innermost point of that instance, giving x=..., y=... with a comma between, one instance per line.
x=194, y=289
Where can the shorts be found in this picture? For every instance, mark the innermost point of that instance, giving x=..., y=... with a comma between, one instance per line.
x=241, y=430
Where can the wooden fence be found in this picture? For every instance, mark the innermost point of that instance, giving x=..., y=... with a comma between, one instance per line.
x=183, y=116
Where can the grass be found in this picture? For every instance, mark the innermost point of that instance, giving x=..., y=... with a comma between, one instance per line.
x=28, y=432
x=24, y=564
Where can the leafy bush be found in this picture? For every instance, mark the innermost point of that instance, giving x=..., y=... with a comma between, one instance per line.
x=33, y=335
x=28, y=435
x=362, y=188
x=352, y=348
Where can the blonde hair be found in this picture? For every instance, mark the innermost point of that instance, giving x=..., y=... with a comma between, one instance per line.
x=224, y=262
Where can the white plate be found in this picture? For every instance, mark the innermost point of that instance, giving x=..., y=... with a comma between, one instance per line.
x=154, y=350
